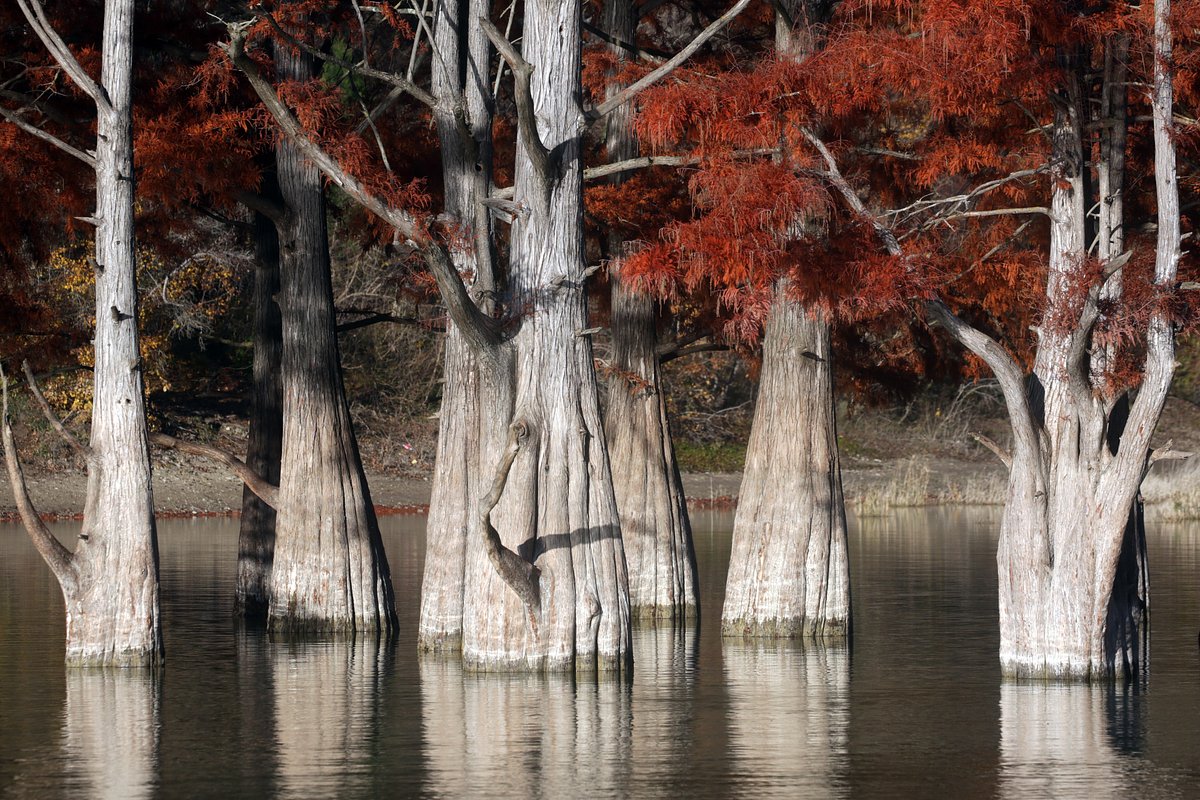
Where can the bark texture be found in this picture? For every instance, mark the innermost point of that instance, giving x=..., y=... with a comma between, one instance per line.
x=655, y=530
x=555, y=506
x=788, y=569
x=256, y=538
x=110, y=581
x=464, y=120
x=330, y=572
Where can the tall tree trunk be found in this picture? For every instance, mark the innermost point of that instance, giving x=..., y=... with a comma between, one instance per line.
x=330, y=572
x=256, y=539
x=466, y=171
x=110, y=582
x=548, y=590
x=789, y=573
x=654, y=521
x=788, y=569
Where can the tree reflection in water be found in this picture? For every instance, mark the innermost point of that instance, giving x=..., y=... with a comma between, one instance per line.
x=111, y=731
x=789, y=715
x=516, y=735
x=327, y=714
x=1069, y=741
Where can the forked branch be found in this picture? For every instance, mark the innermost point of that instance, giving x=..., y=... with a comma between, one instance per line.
x=264, y=489
x=520, y=575
x=56, y=555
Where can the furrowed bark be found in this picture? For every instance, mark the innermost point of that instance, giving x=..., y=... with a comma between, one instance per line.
x=789, y=569
x=558, y=510
x=655, y=529
x=330, y=573
x=460, y=84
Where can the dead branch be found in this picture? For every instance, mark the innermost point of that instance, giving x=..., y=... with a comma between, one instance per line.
x=55, y=422
x=520, y=575
x=265, y=490
x=637, y=87
x=999, y=451
x=653, y=56
x=30, y=128
x=57, y=556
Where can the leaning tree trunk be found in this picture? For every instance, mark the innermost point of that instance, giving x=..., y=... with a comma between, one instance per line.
x=256, y=539
x=110, y=582
x=466, y=171
x=654, y=521
x=548, y=589
x=788, y=569
x=330, y=572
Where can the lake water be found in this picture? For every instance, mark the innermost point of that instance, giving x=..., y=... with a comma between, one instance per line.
x=914, y=708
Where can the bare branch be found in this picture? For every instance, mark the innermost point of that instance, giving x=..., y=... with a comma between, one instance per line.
x=1000, y=452
x=526, y=113
x=363, y=69
x=36, y=15
x=520, y=575
x=56, y=555
x=264, y=489
x=71, y=439
x=477, y=328
x=376, y=319
x=646, y=55
x=29, y=127
x=637, y=87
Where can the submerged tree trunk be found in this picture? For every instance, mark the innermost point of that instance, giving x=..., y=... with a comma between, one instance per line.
x=548, y=590
x=110, y=581
x=655, y=529
x=330, y=572
x=788, y=569
x=458, y=483
x=256, y=539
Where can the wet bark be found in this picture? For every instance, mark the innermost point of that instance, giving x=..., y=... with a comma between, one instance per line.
x=464, y=119
x=788, y=569
x=256, y=538
x=655, y=530
x=330, y=572
x=110, y=581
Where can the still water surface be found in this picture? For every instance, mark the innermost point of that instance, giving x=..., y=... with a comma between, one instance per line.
x=915, y=708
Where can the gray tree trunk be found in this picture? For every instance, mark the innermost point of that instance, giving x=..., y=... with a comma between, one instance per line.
x=788, y=569
x=655, y=529
x=458, y=484
x=256, y=539
x=550, y=591
x=110, y=581
x=330, y=572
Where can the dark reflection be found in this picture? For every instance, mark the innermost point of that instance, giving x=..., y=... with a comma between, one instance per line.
x=328, y=697
x=111, y=731
x=789, y=715
x=1068, y=741
x=528, y=736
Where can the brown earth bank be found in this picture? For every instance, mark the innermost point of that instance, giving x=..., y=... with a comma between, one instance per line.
x=893, y=457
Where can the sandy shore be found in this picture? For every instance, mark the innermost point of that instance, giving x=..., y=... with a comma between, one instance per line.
x=197, y=488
